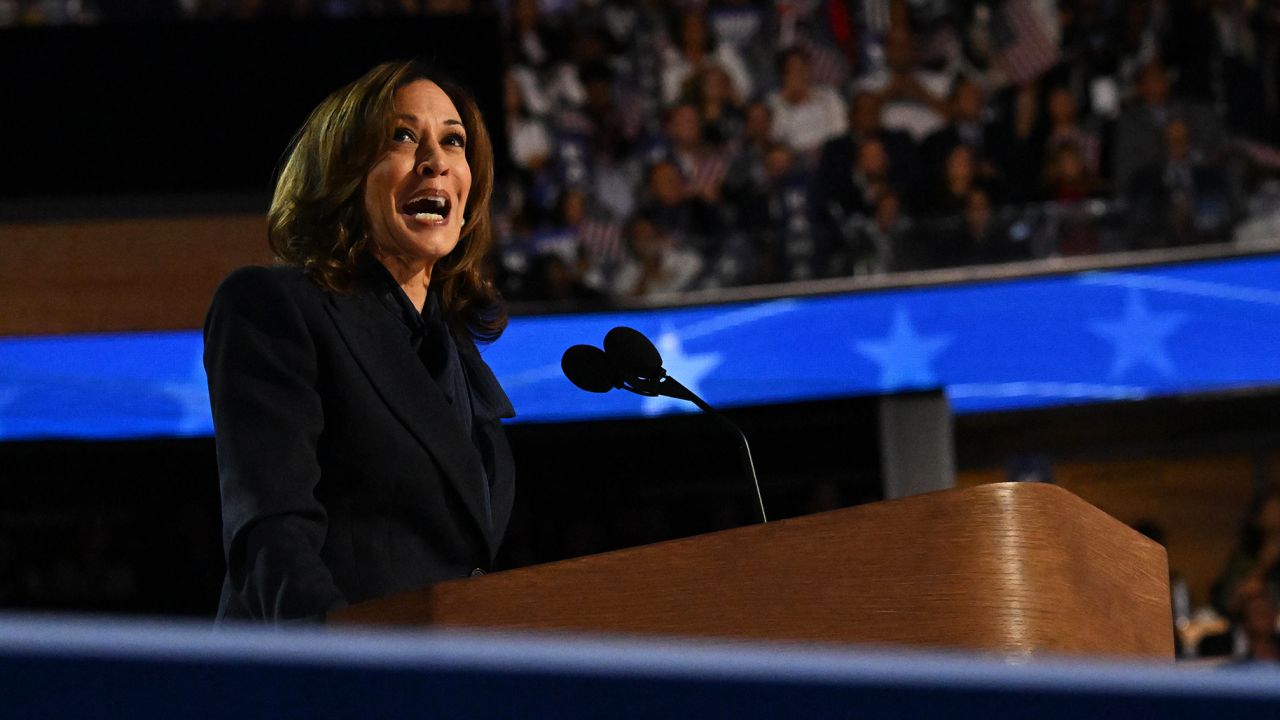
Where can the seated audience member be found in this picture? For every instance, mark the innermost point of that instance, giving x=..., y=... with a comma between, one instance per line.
x=1253, y=635
x=784, y=223
x=944, y=237
x=1140, y=128
x=1019, y=155
x=879, y=244
x=718, y=104
x=528, y=140
x=985, y=238
x=695, y=223
x=959, y=176
x=695, y=50
x=538, y=58
x=1178, y=199
x=1067, y=176
x=967, y=125
x=915, y=98
x=656, y=263
x=746, y=167
x=552, y=278
x=702, y=165
x=744, y=25
x=532, y=39
x=969, y=237
x=1257, y=617
x=805, y=115
x=856, y=190
x=1256, y=557
x=588, y=242
x=1064, y=126
x=840, y=153
x=614, y=134
x=1068, y=182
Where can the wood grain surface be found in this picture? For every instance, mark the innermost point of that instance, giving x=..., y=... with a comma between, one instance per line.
x=1012, y=568
x=1198, y=500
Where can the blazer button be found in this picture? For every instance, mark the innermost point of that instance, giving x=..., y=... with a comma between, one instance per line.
x=477, y=572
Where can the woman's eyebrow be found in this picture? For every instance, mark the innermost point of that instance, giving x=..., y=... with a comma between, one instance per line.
x=413, y=119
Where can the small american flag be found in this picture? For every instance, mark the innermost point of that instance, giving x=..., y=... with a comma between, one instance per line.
x=705, y=171
x=826, y=62
x=1025, y=47
x=876, y=16
x=1260, y=154
x=602, y=240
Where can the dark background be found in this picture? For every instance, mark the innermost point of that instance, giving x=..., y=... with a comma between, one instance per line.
x=134, y=526
x=207, y=107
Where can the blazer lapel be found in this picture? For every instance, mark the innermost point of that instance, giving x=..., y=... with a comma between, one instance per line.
x=407, y=388
x=490, y=400
x=490, y=404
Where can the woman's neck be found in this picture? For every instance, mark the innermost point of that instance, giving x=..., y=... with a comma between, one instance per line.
x=414, y=277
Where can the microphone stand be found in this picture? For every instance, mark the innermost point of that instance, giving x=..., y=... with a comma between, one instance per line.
x=667, y=386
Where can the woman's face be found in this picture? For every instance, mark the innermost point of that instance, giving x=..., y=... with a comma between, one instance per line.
x=1070, y=164
x=666, y=184
x=759, y=122
x=715, y=84
x=1062, y=106
x=415, y=195
x=873, y=161
x=647, y=242
x=795, y=75
x=683, y=126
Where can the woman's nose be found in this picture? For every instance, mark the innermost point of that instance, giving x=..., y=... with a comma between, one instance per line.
x=431, y=162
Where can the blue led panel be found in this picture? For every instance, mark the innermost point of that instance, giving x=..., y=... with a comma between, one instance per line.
x=1105, y=335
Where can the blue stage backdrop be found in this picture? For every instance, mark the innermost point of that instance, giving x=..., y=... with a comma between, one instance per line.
x=1029, y=343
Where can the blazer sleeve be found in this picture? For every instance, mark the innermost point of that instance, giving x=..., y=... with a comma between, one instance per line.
x=268, y=416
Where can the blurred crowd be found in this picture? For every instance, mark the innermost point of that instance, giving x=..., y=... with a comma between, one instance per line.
x=91, y=12
x=660, y=147
x=1243, y=622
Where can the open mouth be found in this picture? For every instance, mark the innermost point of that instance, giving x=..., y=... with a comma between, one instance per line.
x=431, y=208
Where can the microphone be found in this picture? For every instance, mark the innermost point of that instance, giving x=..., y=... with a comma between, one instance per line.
x=590, y=369
x=633, y=354
x=630, y=361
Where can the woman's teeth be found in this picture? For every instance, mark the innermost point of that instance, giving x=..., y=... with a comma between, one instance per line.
x=428, y=216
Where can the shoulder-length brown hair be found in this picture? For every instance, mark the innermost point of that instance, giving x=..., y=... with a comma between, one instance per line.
x=317, y=222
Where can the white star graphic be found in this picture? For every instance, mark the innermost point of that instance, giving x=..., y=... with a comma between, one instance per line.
x=192, y=396
x=905, y=356
x=1139, y=336
x=689, y=370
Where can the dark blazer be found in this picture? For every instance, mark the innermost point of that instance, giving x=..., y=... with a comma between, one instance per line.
x=345, y=474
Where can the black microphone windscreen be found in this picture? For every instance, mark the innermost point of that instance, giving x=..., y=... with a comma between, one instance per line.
x=589, y=368
x=632, y=353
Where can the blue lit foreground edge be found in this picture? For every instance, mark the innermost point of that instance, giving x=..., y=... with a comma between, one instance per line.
x=85, y=668
x=1086, y=337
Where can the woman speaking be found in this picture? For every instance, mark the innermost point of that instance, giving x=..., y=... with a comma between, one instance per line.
x=359, y=446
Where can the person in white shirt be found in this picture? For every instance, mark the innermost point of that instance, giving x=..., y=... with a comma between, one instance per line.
x=805, y=115
x=695, y=50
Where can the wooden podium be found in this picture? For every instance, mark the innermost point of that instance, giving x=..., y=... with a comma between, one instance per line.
x=1015, y=568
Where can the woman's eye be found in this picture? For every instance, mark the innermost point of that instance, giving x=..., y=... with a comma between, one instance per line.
x=402, y=135
x=456, y=139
